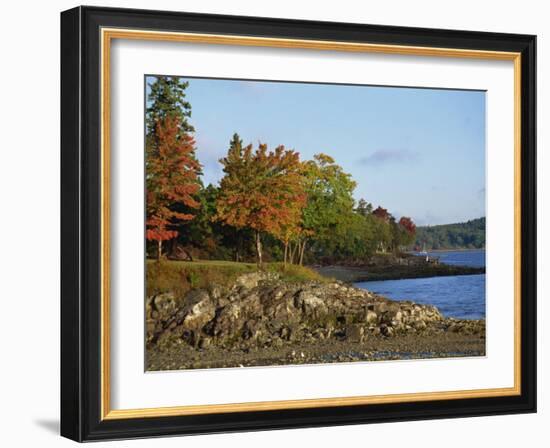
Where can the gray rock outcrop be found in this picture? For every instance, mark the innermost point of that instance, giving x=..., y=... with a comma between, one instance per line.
x=259, y=310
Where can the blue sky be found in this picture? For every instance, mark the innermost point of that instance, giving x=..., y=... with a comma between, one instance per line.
x=417, y=152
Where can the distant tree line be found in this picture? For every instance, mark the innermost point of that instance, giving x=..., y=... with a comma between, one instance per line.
x=465, y=235
x=269, y=205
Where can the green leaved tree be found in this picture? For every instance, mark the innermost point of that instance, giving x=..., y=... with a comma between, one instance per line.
x=329, y=210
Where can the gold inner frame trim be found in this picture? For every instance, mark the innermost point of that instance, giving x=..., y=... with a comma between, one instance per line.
x=107, y=35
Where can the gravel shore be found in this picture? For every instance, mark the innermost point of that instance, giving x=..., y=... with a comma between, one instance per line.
x=442, y=345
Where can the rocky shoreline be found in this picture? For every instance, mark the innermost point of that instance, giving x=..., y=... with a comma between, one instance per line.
x=261, y=320
x=391, y=267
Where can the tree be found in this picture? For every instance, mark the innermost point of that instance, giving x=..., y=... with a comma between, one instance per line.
x=402, y=232
x=396, y=233
x=386, y=228
x=409, y=230
x=329, y=208
x=260, y=190
x=167, y=97
x=199, y=231
x=382, y=213
x=292, y=233
x=171, y=178
x=363, y=208
x=452, y=236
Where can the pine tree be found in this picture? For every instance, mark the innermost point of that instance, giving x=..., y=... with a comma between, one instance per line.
x=167, y=98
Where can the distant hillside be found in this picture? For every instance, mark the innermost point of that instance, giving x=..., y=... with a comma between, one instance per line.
x=464, y=235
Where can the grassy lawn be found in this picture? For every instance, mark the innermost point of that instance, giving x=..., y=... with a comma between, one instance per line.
x=181, y=276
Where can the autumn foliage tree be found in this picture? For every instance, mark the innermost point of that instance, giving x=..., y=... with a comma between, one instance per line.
x=293, y=234
x=171, y=179
x=408, y=224
x=409, y=230
x=261, y=190
x=268, y=202
x=382, y=213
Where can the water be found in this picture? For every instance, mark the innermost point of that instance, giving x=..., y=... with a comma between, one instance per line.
x=462, y=297
x=474, y=258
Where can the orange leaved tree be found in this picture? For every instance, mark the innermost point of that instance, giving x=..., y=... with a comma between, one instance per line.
x=261, y=190
x=172, y=174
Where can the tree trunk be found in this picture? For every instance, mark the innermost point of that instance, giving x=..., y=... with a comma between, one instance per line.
x=286, y=253
x=159, y=250
x=174, y=246
x=238, y=247
x=259, y=248
x=302, y=250
x=292, y=252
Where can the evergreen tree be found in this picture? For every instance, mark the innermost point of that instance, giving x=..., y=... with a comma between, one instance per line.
x=167, y=98
x=364, y=208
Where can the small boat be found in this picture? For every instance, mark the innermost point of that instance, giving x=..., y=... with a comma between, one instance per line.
x=424, y=253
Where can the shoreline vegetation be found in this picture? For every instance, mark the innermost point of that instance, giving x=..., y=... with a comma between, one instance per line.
x=391, y=267
x=354, y=274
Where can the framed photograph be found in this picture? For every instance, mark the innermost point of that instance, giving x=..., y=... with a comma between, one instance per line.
x=273, y=223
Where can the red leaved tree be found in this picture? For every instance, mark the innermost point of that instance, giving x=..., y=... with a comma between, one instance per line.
x=382, y=213
x=408, y=224
x=172, y=173
x=409, y=230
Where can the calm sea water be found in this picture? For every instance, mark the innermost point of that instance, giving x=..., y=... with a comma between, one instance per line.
x=462, y=296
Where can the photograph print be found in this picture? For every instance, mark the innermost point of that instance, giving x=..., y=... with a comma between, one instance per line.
x=301, y=223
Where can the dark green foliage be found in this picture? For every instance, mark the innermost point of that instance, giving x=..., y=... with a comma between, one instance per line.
x=364, y=208
x=167, y=97
x=465, y=235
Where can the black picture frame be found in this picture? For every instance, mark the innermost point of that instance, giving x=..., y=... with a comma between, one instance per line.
x=81, y=227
